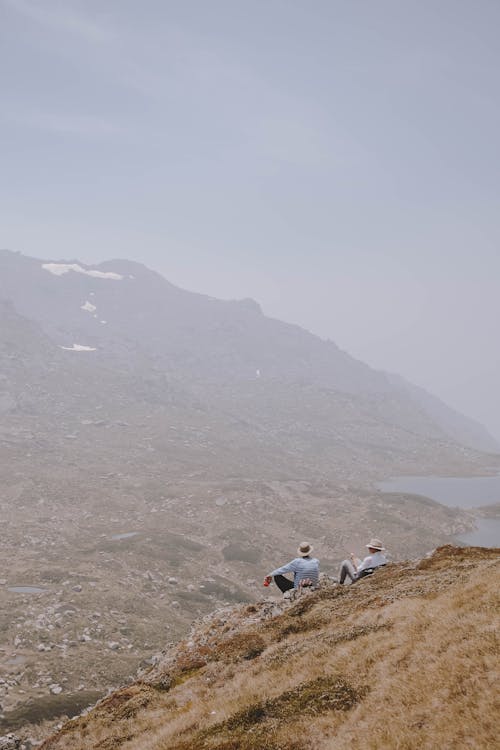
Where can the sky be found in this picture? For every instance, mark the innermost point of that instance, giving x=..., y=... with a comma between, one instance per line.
x=336, y=160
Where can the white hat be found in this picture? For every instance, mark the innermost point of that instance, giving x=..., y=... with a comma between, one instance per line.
x=375, y=544
x=305, y=549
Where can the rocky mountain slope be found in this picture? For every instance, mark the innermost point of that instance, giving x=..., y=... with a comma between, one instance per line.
x=119, y=336
x=158, y=449
x=407, y=658
x=463, y=429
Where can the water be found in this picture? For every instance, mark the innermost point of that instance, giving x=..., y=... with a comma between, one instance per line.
x=457, y=492
x=26, y=590
x=487, y=533
x=126, y=535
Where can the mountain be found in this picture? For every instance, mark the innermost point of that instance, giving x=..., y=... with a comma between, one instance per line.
x=463, y=429
x=122, y=308
x=405, y=658
x=124, y=324
x=160, y=451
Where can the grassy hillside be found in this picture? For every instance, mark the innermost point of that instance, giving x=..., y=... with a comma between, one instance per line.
x=405, y=659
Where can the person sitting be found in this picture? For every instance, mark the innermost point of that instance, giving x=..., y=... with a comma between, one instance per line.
x=305, y=571
x=356, y=569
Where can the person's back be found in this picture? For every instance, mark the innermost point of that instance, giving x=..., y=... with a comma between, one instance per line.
x=305, y=570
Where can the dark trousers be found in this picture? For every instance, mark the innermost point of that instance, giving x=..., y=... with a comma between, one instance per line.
x=284, y=584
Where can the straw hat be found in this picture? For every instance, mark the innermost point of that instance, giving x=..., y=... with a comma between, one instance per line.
x=375, y=544
x=305, y=549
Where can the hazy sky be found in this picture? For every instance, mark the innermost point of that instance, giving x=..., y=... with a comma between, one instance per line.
x=337, y=160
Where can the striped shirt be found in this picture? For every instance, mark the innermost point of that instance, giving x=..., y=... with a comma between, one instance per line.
x=301, y=567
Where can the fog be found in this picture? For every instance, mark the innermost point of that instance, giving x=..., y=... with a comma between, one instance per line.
x=336, y=161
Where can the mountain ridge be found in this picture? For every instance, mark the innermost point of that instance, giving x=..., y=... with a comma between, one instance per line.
x=197, y=338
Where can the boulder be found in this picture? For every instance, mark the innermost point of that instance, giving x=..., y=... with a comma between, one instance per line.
x=10, y=742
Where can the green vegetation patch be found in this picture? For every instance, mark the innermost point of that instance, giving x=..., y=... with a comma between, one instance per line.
x=53, y=575
x=302, y=625
x=131, y=708
x=242, y=553
x=242, y=646
x=354, y=632
x=113, y=743
x=299, y=618
x=218, y=586
x=308, y=699
x=253, y=727
x=48, y=707
x=186, y=674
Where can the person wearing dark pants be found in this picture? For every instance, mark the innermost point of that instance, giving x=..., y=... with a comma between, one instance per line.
x=305, y=571
x=283, y=583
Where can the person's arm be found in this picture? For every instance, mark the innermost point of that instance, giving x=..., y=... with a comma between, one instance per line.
x=355, y=561
x=288, y=568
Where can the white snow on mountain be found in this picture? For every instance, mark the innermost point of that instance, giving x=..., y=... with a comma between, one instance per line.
x=88, y=307
x=79, y=348
x=59, y=269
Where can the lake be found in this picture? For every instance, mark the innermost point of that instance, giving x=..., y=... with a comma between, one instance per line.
x=457, y=492
x=487, y=533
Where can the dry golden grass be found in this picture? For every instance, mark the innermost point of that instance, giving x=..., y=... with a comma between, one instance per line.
x=407, y=660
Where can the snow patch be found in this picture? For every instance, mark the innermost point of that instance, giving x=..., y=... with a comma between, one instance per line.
x=59, y=269
x=79, y=348
x=88, y=307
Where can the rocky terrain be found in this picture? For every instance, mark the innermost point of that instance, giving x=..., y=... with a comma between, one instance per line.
x=160, y=451
x=114, y=583
x=405, y=658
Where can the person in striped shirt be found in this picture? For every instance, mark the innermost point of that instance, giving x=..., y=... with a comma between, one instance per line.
x=305, y=571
